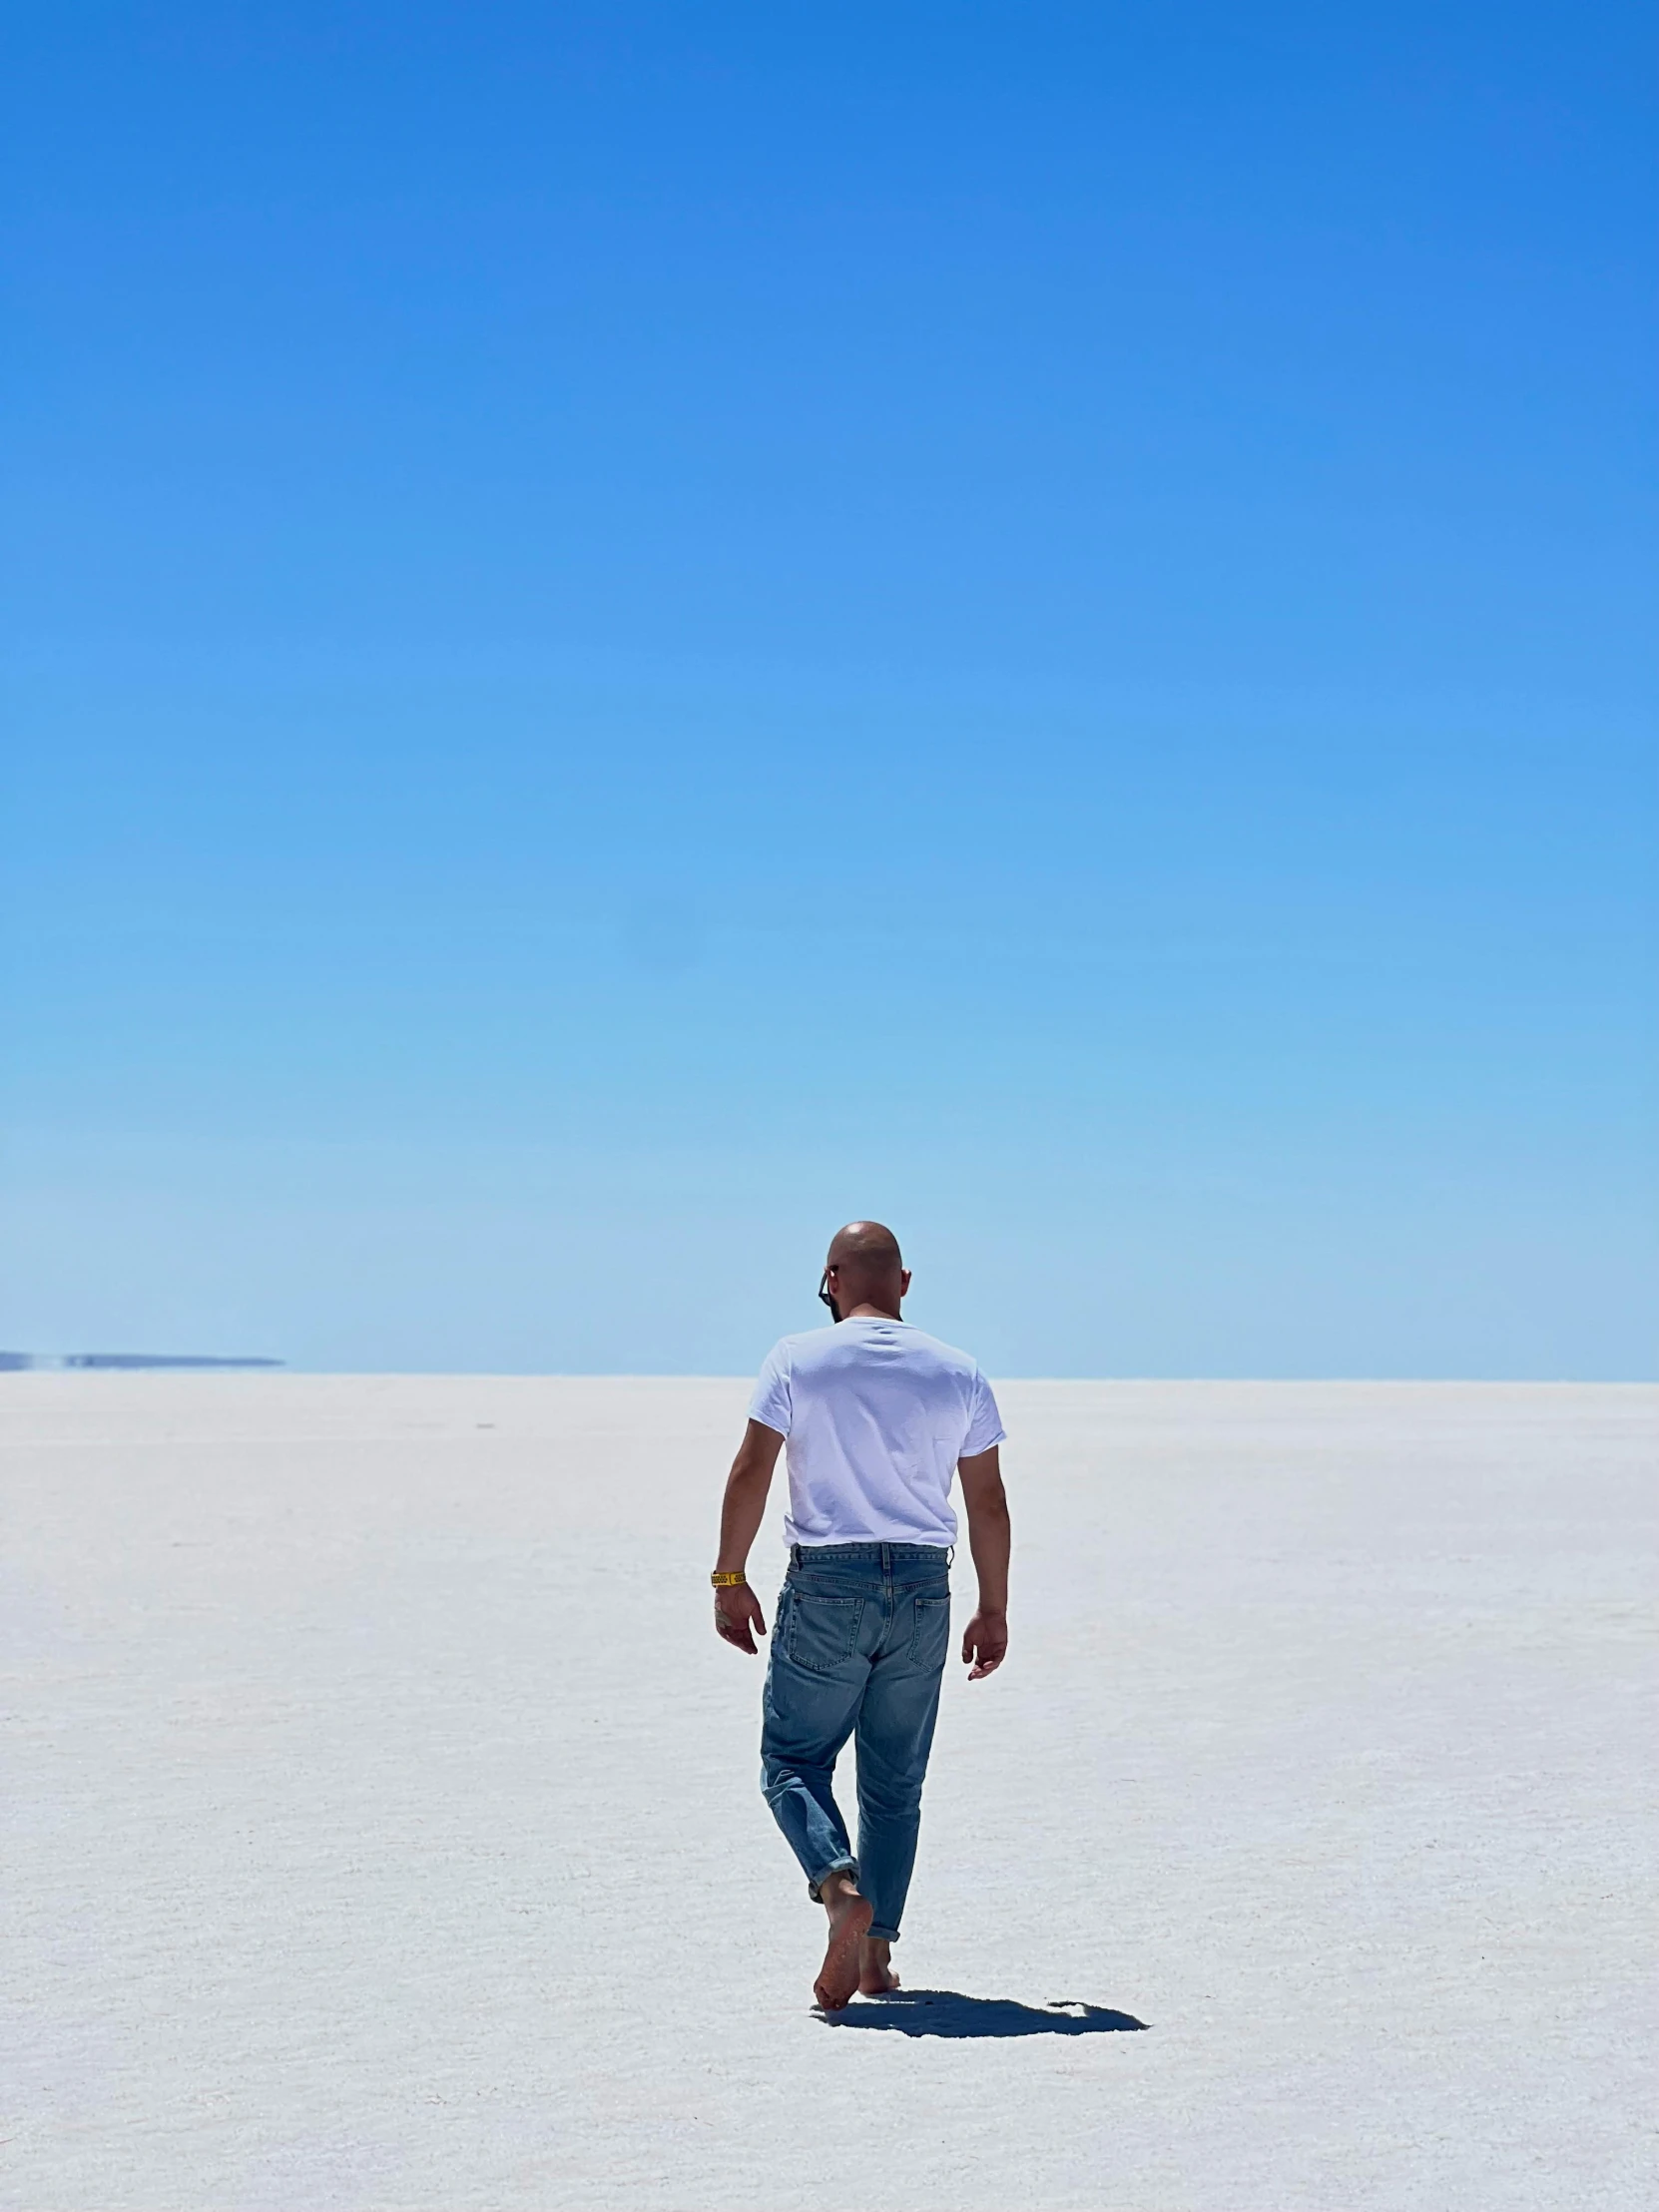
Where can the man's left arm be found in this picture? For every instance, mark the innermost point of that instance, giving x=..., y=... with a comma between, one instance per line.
x=736, y=1609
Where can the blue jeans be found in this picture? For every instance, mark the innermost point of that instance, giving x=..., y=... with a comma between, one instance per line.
x=857, y=1649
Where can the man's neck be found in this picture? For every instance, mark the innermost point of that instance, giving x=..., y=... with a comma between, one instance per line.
x=871, y=1312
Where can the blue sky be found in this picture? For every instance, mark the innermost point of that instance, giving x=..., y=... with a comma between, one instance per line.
x=631, y=631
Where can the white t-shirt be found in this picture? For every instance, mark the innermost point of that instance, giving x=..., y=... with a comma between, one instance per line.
x=876, y=1414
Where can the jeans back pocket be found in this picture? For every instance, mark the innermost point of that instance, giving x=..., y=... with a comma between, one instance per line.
x=823, y=1630
x=931, y=1637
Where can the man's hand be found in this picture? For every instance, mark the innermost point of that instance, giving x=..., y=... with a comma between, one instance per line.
x=738, y=1616
x=986, y=1643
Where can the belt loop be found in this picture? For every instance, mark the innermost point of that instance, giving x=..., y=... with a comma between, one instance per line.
x=794, y=1555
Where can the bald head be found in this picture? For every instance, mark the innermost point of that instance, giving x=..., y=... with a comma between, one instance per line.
x=865, y=1243
x=865, y=1270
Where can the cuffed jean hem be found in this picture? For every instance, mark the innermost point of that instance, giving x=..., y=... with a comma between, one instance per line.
x=882, y=1935
x=814, y=1888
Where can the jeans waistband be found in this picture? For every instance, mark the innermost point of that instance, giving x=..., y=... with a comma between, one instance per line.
x=871, y=1555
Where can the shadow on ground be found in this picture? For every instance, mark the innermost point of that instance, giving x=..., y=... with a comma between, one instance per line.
x=948, y=2012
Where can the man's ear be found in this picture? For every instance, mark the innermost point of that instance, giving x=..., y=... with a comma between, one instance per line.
x=904, y=1282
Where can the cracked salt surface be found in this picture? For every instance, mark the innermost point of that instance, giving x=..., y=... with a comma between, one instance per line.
x=382, y=1826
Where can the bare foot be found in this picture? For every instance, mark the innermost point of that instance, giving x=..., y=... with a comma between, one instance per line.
x=876, y=1974
x=850, y=1915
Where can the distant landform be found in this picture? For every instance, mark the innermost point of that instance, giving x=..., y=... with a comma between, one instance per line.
x=10, y=1362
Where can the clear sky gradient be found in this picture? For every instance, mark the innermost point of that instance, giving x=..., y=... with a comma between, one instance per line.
x=634, y=630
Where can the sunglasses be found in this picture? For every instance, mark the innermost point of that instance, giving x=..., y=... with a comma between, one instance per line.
x=827, y=1299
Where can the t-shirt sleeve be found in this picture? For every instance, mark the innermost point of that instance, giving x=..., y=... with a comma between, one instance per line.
x=984, y=1421
x=771, y=1403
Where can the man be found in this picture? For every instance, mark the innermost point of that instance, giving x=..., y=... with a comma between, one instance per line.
x=878, y=1418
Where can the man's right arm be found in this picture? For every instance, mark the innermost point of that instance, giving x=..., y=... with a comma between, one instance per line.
x=990, y=1538
x=737, y=1608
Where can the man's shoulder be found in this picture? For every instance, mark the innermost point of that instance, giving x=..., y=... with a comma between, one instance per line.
x=802, y=1342
x=918, y=1349
x=843, y=1343
x=951, y=1356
